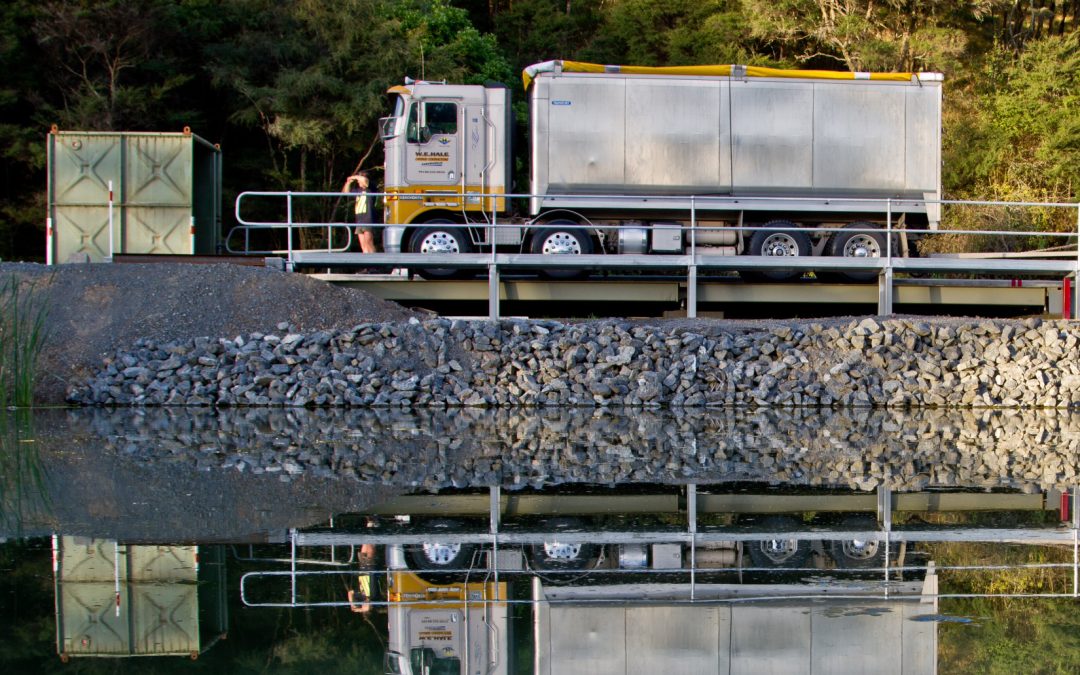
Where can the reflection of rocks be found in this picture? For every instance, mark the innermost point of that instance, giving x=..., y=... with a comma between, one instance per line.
x=442, y=362
x=858, y=448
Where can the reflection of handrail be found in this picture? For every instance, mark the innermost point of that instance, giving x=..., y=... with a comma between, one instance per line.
x=707, y=594
x=333, y=562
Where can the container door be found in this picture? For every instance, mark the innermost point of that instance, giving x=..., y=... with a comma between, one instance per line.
x=81, y=166
x=433, y=135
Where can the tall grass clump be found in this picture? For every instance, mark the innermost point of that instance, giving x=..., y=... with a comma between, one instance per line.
x=23, y=310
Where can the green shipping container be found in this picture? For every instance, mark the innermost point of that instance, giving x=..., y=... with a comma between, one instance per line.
x=166, y=194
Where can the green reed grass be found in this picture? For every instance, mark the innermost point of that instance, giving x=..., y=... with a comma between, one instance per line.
x=23, y=310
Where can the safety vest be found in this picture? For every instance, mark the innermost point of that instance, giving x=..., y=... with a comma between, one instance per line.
x=361, y=203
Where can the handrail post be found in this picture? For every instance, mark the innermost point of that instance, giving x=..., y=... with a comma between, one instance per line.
x=1076, y=272
x=288, y=227
x=493, y=291
x=885, y=279
x=691, y=269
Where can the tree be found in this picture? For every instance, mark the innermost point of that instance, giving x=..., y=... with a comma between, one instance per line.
x=680, y=32
x=899, y=35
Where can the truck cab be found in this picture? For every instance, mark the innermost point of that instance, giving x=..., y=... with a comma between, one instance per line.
x=445, y=146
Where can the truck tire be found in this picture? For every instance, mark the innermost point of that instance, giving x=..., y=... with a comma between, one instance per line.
x=779, y=553
x=783, y=238
x=858, y=245
x=562, y=238
x=858, y=554
x=555, y=555
x=441, y=236
x=440, y=555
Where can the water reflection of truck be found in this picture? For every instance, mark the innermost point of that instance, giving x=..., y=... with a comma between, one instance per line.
x=629, y=602
x=439, y=627
x=791, y=151
x=605, y=613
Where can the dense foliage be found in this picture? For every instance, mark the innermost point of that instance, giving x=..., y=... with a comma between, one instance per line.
x=293, y=90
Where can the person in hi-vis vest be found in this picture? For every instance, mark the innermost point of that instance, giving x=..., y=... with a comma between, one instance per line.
x=362, y=208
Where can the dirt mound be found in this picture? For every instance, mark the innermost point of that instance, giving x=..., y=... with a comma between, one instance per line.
x=96, y=308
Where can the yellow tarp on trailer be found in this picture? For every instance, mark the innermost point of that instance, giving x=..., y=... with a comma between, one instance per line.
x=530, y=73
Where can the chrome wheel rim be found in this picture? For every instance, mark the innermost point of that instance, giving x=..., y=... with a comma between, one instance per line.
x=860, y=549
x=862, y=246
x=439, y=242
x=558, y=551
x=441, y=554
x=779, y=550
x=781, y=245
x=561, y=243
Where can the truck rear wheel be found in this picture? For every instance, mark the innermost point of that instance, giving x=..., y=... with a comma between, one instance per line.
x=554, y=554
x=779, y=552
x=855, y=553
x=441, y=236
x=858, y=245
x=562, y=238
x=782, y=239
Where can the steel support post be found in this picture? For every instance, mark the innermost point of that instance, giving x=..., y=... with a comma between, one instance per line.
x=495, y=495
x=691, y=290
x=885, y=291
x=884, y=506
x=493, y=291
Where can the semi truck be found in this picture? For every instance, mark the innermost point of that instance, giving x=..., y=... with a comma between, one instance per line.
x=720, y=160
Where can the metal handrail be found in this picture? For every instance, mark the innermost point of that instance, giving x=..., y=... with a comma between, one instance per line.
x=693, y=205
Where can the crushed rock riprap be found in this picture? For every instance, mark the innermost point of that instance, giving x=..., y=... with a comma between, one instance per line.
x=896, y=362
x=434, y=449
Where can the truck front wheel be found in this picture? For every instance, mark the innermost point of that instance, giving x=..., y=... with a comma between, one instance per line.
x=440, y=236
x=440, y=554
x=562, y=238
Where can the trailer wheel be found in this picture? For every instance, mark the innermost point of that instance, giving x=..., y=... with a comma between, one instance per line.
x=441, y=236
x=440, y=554
x=782, y=239
x=562, y=238
x=779, y=552
x=858, y=245
x=858, y=553
x=553, y=554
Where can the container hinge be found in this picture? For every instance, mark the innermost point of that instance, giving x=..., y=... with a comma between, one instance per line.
x=738, y=72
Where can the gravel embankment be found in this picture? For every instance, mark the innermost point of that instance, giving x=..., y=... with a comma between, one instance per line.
x=95, y=309
x=897, y=362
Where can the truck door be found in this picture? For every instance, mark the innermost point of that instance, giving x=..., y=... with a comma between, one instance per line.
x=433, y=136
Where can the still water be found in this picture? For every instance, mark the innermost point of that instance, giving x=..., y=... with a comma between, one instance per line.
x=547, y=541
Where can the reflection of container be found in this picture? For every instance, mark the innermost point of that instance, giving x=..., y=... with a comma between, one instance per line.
x=126, y=600
x=166, y=194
